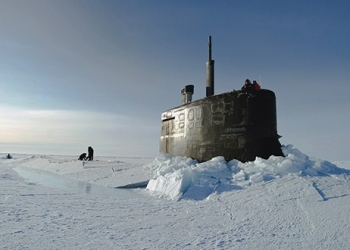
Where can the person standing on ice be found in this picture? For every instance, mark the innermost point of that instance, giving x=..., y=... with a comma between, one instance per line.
x=90, y=153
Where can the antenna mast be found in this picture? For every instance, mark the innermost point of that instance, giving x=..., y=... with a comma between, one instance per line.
x=210, y=73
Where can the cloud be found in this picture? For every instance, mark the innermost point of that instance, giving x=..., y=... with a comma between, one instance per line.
x=66, y=131
x=19, y=124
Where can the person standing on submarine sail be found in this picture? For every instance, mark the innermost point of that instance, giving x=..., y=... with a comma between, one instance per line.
x=90, y=153
x=248, y=86
x=256, y=85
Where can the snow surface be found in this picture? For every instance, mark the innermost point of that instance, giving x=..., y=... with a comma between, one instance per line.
x=291, y=202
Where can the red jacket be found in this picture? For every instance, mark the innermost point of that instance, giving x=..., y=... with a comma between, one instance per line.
x=256, y=86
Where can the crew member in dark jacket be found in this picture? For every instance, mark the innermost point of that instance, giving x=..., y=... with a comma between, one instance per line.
x=82, y=157
x=248, y=86
x=90, y=153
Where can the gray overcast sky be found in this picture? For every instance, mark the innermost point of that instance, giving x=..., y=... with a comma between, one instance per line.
x=99, y=73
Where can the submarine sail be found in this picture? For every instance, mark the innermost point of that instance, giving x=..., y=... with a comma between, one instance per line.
x=238, y=125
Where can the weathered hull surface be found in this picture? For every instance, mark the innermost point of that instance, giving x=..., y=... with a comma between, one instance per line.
x=236, y=125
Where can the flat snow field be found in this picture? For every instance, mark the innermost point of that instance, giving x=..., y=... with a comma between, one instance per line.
x=280, y=203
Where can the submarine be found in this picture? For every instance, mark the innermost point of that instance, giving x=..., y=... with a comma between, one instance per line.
x=239, y=124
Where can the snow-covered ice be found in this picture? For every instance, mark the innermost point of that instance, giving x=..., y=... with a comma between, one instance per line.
x=292, y=202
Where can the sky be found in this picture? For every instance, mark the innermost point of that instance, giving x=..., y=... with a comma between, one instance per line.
x=75, y=74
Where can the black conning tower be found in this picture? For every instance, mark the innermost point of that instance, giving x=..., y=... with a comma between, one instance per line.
x=237, y=125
